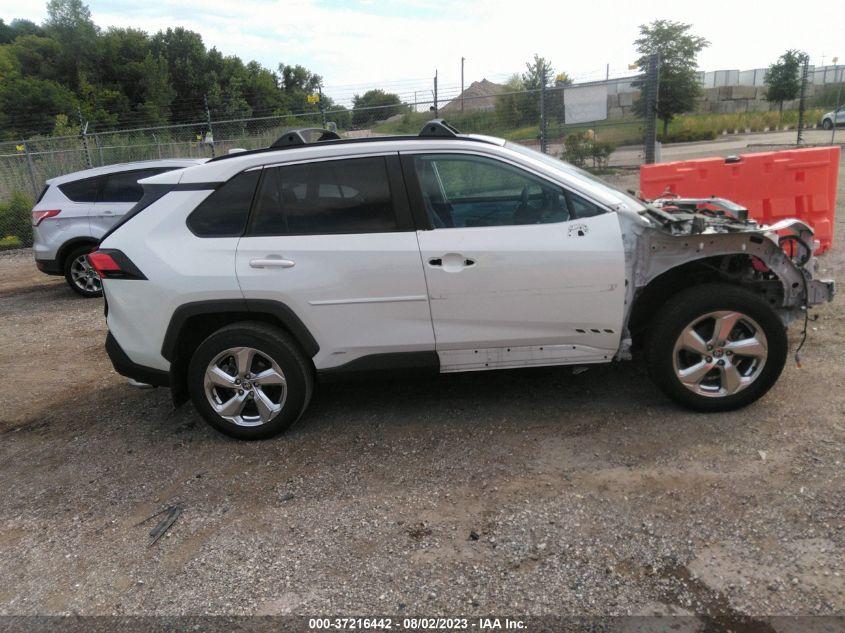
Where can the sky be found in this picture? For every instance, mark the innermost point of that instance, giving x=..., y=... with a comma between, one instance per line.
x=360, y=44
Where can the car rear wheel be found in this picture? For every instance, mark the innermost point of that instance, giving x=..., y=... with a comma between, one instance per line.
x=250, y=380
x=79, y=274
x=716, y=347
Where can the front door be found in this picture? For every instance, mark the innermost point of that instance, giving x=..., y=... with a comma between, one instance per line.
x=520, y=271
x=333, y=240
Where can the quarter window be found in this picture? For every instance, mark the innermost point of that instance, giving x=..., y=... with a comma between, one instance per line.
x=472, y=191
x=224, y=213
x=326, y=197
x=123, y=186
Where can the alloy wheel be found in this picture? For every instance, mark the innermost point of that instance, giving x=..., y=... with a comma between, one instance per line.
x=84, y=276
x=720, y=353
x=245, y=386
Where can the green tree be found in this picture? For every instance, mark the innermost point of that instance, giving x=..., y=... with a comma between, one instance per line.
x=782, y=78
x=29, y=105
x=678, y=50
x=186, y=58
x=8, y=32
x=375, y=105
x=69, y=23
x=37, y=56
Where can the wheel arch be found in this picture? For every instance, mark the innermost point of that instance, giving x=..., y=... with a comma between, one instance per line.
x=192, y=323
x=733, y=268
x=71, y=245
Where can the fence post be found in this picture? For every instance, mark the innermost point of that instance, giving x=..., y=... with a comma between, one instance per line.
x=436, y=109
x=652, y=85
x=83, y=126
x=802, y=99
x=31, y=169
x=543, y=110
x=99, y=149
x=208, y=119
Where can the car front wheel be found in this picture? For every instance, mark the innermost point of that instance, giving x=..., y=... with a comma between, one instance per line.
x=716, y=347
x=827, y=124
x=250, y=380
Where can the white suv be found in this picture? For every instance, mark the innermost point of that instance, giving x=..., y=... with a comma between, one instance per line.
x=240, y=281
x=75, y=210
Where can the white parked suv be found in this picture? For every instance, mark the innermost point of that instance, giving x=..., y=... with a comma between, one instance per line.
x=241, y=281
x=75, y=210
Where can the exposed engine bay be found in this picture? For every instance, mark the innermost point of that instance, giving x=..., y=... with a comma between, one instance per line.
x=714, y=237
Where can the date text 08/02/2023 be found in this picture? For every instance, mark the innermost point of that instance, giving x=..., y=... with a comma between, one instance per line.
x=417, y=624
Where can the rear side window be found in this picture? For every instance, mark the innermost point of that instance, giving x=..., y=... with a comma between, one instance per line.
x=82, y=190
x=224, y=213
x=327, y=197
x=123, y=186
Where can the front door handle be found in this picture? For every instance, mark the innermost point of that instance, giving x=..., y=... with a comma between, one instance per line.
x=451, y=262
x=272, y=262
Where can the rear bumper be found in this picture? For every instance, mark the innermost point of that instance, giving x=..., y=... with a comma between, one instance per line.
x=49, y=266
x=124, y=366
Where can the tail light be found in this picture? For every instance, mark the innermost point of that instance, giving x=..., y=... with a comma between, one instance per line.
x=110, y=263
x=39, y=216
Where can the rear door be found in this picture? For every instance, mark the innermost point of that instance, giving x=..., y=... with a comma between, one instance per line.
x=333, y=240
x=119, y=193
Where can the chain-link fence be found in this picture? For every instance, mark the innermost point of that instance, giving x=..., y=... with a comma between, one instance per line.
x=583, y=123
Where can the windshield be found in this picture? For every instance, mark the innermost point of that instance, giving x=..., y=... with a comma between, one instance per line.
x=612, y=194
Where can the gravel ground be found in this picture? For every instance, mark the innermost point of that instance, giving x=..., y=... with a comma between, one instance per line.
x=530, y=492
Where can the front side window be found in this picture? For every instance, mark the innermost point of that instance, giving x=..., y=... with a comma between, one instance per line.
x=473, y=191
x=123, y=186
x=224, y=213
x=328, y=197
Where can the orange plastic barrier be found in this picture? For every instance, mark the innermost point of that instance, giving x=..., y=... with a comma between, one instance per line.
x=799, y=183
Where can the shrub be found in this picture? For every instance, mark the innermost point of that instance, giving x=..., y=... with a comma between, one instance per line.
x=16, y=219
x=10, y=242
x=578, y=148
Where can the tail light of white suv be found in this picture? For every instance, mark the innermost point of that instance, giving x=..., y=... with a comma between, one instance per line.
x=42, y=214
x=111, y=263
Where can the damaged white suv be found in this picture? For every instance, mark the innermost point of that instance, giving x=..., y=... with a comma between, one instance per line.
x=241, y=281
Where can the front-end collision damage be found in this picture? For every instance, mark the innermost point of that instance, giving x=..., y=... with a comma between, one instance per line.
x=775, y=261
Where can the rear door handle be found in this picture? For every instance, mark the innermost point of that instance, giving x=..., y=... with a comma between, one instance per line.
x=272, y=262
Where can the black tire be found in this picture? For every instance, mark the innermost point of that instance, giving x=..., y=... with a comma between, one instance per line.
x=272, y=344
x=68, y=264
x=827, y=124
x=692, y=304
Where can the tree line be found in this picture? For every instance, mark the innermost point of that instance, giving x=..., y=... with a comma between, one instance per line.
x=67, y=70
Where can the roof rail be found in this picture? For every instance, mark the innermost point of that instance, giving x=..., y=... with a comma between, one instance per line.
x=304, y=136
x=439, y=127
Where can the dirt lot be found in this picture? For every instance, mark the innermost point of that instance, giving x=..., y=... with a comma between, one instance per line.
x=532, y=492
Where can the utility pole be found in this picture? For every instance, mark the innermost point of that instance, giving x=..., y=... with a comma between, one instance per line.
x=607, y=74
x=320, y=105
x=463, y=59
x=208, y=120
x=436, y=109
